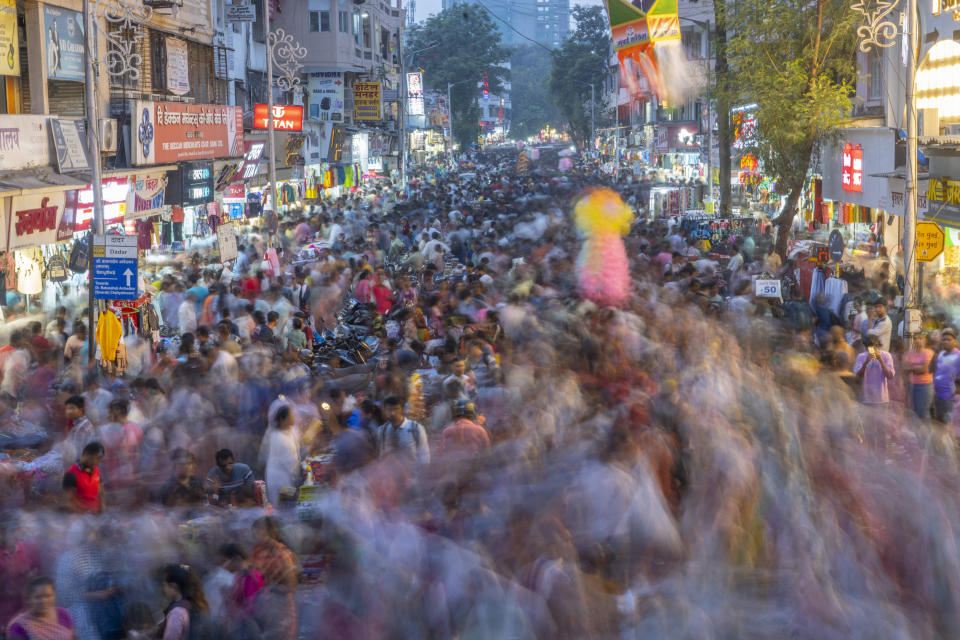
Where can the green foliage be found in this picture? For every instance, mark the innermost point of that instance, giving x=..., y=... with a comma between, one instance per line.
x=533, y=107
x=581, y=60
x=797, y=62
x=468, y=44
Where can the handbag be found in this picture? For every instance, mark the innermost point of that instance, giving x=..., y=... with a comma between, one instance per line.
x=80, y=255
x=57, y=269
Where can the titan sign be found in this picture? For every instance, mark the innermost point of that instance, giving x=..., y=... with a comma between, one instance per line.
x=285, y=117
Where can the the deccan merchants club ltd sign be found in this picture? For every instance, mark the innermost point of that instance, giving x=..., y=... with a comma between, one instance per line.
x=173, y=131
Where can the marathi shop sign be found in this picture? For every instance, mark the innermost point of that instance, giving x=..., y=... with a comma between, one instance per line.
x=34, y=219
x=146, y=197
x=366, y=101
x=24, y=142
x=852, y=171
x=174, y=131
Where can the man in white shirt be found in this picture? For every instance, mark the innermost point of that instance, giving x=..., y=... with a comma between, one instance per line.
x=880, y=325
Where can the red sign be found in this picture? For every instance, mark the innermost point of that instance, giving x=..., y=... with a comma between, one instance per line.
x=34, y=220
x=852, y=172
x=749, y=163
x=285, y=117
x=235, y=193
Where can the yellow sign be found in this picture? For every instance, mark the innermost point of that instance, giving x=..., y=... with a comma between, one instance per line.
x=943, y=190
x=9, y=43
x=930, y=241
x=366, y=101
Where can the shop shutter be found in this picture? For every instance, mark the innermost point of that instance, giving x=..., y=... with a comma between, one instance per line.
x=66, y=98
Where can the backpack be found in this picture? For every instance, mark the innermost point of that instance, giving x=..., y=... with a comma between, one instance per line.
x=80, y=255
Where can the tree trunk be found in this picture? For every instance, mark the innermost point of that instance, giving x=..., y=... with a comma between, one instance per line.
x=724, y=130
x=784, y=221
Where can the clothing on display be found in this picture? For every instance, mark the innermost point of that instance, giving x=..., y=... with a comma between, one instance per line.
x=834, y=290
x=29, y=271
x=109, y=332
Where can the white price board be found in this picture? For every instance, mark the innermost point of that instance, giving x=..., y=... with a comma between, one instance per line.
x=767, y=289
x=227, y=242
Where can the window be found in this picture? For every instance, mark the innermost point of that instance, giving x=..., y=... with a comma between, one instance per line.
x=357, y=28
x=319, y=21
x=876, y=76
x=259, y=35
x=384, y=43
x=366, y=30
x=344, y=22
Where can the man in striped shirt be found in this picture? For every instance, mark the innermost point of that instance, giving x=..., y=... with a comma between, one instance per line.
x=229, y=482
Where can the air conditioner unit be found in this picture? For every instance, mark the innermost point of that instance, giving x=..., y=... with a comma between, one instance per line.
x=108, y=136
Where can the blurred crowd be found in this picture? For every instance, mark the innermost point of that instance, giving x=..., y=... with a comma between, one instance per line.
x=499, y=458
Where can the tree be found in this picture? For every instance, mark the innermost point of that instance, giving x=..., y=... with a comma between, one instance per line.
x=797, y=62
x=580, y=62
x=459, y=44
x=530, y=95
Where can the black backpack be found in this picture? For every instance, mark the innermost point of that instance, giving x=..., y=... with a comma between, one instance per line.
x=80, y=255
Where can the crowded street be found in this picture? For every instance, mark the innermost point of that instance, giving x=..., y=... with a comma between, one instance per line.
x=467, y=320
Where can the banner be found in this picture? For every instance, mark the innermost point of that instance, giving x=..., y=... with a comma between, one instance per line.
x=9, y=42
x=65, y=44
x=165, y=132
x=366, y=101
x=178, y=67
x=326, y=96
x=146, y=198
x=641, y=22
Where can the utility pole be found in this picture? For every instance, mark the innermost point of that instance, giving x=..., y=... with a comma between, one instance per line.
x=450, y=120
x=271, y=143
x=93, y=145
x=911, y=301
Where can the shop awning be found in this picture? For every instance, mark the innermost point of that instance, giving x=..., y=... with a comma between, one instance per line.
x=15, y=183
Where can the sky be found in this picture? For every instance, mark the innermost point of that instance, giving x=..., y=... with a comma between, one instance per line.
x=427, y=7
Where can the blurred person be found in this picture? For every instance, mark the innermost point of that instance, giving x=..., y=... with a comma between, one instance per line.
x=184, y=488
x=76, y=346
x=182, y=617
x=187, y=313
x=917, y=361
x=241, y=598
x=121, y=439
x=464, y=437
x=80, y=431
x=276, y=610
x=283, y=459
x=229, y=482
x=82, y=485
x=880, y=324
x=946, y=372
x=42, y=619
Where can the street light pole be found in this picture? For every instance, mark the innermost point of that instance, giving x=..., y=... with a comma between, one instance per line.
x=450, y=119
x=271, y=143
x=93, y=145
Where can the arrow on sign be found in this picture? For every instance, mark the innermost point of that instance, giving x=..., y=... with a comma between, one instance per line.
x=128, y=274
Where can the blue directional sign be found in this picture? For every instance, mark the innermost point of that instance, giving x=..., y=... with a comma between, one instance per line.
x=115, y=267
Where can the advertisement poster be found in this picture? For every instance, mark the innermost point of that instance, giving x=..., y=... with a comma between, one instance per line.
x=227, y=242
x=178, y=67
x=366, y=101
x=9, y=42
x=70, y=143
x=65, y=38
x=326, y=96
x=174, y=131
x=146, y=198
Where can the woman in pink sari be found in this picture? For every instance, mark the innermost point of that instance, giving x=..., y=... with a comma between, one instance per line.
x=42, y=620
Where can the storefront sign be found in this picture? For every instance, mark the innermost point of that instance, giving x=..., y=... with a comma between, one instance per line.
x=744, y=126
x=285, y=117
x=146, y=198
x=178, y=67
x=197, y=183
x=65, y=45
x=749, y=162
x=251, y=161
x=114, y=193
x=944, y=190
x=24, y=142
x=366, y=101
x=34, y=219
x=235, y=193
x=852, y=168
x=948, y=7
x=70, y=145
x=241, y=11
x=9, y=42
x=174, y=131
x=326, y=96
x=415, y=94
x=930, y=241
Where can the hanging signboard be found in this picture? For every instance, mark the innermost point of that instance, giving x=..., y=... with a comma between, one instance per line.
x=852, y=171
x=9, y=42
x=34, y=220
x=24, y=142
x=227, y=242
x=326, y=96
x=366, y=101
x=240, y=11
x=65, y=44
x=115, y=267
x=415, y=94
x=70, y=145
x=146, y=198
x=285, y=117
x=114, y=192
x=930, y=241
x=178, y=67
x=173, y=131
